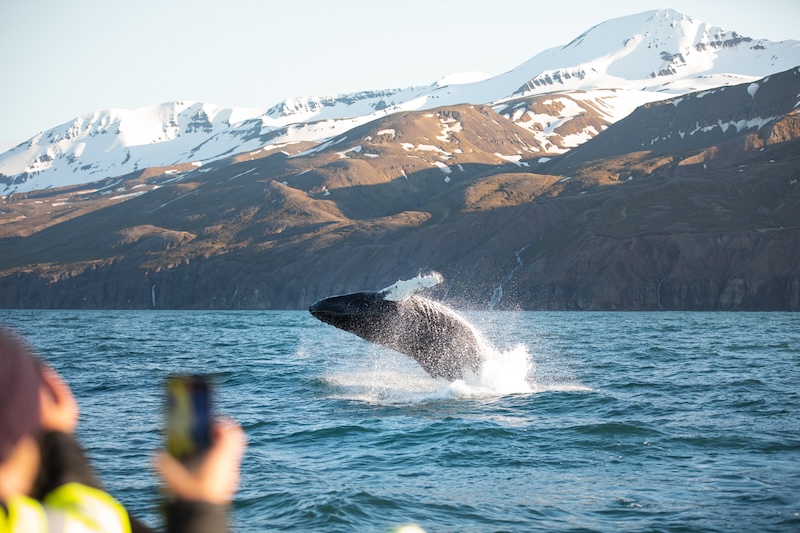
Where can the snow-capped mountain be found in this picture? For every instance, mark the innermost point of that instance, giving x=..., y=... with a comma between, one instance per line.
x=565, y=95
x=114, y=142
x=662, y=51
x=658, y=51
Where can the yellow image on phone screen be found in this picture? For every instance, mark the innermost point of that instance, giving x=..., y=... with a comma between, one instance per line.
x=188, y=416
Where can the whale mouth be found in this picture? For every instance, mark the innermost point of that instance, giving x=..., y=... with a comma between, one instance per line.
x=315, y=308
x=330, y=307
x=319, y=309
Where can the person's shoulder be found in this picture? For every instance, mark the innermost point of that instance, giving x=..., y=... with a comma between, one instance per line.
x=79, y=503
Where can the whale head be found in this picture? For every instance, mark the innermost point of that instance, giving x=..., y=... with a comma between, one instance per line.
x=361, y=313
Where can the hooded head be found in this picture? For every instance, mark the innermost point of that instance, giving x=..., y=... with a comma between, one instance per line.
x=20, y=380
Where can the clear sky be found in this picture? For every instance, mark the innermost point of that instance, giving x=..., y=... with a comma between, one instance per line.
x=60, y=59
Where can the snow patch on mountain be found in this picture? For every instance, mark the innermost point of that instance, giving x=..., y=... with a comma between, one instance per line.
x=462, y=78
x=546, y=117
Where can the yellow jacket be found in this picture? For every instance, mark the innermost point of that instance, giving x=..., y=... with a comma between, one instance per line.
x=71, y=508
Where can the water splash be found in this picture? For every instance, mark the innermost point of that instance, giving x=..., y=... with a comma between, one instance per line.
x=398, y=380
x=502, y=373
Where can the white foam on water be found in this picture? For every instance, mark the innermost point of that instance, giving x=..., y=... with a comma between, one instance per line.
x=399, y=380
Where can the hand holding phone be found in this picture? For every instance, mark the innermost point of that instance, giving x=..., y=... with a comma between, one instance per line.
x=189, y=417
x=204, y=456
x=215, y=476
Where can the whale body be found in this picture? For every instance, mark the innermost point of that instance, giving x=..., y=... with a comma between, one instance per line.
x=444, y=344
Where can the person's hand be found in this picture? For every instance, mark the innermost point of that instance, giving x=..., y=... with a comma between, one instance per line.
x=215, y=477
x=58, y=410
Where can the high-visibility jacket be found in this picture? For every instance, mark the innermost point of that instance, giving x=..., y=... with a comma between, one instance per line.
x=70, y=508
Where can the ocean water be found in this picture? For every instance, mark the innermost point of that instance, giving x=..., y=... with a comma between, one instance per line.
x=578, y=422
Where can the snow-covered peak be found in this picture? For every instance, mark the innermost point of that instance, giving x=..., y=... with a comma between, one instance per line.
x=660, y=50
x=113, y=142
x=152, y=124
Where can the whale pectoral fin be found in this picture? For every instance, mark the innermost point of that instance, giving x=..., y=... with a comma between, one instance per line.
x=404, y=289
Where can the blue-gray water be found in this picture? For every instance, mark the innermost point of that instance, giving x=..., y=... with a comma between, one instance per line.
x=581, y=422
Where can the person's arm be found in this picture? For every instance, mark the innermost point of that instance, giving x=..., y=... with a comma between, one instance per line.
x=202, y=494
x=196, y=517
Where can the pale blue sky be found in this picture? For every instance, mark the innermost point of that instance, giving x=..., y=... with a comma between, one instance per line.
x=61, y=59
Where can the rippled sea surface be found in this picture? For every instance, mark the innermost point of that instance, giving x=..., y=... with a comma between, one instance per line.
x=578, y=421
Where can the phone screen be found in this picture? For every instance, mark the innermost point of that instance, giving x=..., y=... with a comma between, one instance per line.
x=188, y=431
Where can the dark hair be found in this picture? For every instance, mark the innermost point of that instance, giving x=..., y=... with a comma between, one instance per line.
x=20, y=378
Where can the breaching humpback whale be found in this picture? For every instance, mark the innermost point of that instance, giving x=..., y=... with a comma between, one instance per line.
x=442, y=342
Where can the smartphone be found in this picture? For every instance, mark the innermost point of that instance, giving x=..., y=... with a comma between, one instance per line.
x=188, y=424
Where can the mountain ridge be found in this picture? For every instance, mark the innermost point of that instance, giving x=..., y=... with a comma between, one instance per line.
x=663, y=53
x=440, y=190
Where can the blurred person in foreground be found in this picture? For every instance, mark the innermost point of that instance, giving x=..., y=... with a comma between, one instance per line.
x=47, y=484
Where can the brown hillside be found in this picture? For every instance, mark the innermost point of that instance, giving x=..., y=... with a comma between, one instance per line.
x=457, y=190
